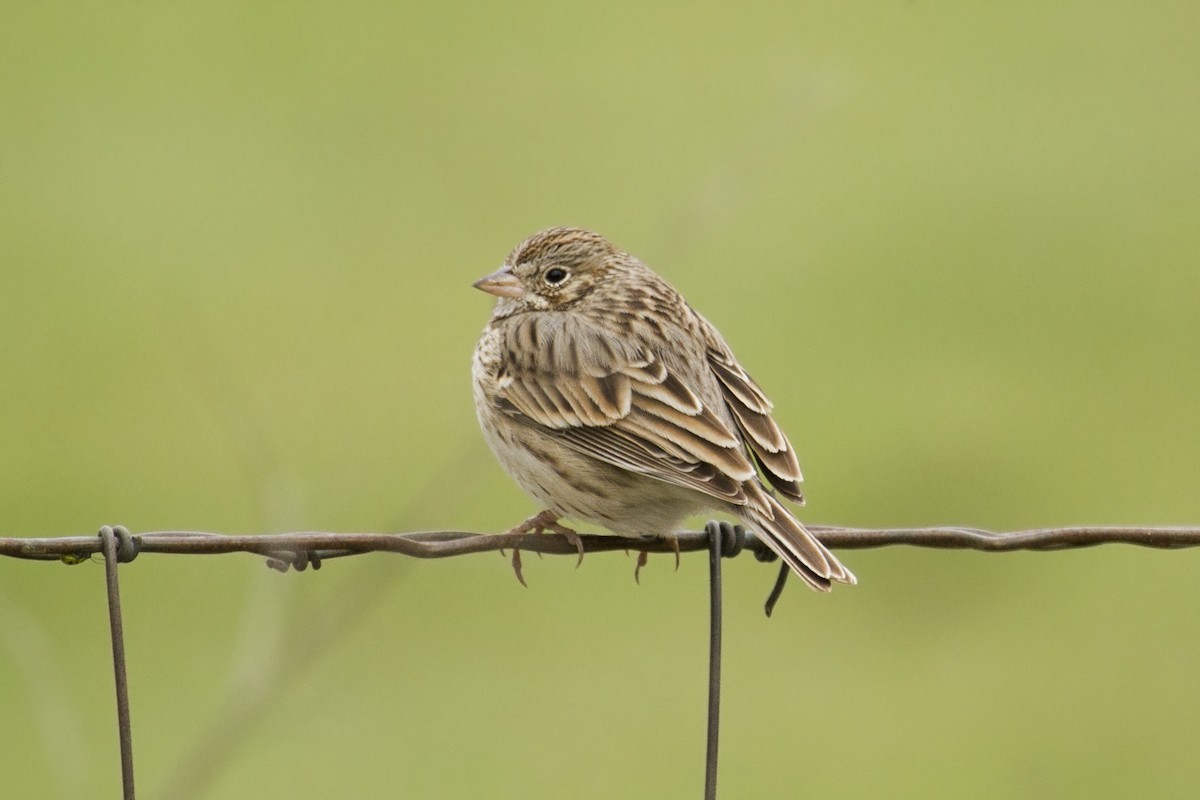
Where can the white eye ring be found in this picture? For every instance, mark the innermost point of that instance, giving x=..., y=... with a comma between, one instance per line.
x=555, y=276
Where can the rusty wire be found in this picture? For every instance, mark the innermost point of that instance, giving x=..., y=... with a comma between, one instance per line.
x=446, y=544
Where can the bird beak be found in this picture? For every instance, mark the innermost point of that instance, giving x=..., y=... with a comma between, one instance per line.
x=501, y=283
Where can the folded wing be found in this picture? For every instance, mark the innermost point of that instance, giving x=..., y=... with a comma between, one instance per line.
x=617, y=402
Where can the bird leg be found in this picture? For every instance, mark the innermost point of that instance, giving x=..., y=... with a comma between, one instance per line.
x=542, y=522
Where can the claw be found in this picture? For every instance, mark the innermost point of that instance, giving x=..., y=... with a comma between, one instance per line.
x=571, y=536
x=642, y=559
x=516, y=565
x=674, y=540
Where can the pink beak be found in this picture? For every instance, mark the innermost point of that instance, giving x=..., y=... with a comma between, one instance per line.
x=501, y=283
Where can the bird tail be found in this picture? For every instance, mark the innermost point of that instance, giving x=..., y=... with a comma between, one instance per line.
x=792, y=542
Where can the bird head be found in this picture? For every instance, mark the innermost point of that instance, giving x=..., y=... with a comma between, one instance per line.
x=550, y=271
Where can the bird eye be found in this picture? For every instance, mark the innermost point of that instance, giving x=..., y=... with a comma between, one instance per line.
x=555, y=275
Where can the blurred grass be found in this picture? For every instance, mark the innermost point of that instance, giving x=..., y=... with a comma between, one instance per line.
x=957, y=244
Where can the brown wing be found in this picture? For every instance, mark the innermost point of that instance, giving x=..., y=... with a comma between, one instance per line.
x=752, y=412
x=615, y=401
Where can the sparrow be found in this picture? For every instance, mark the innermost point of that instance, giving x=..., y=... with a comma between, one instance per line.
x=610, y=400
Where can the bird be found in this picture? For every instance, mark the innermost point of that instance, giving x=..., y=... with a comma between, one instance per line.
x=610, y=400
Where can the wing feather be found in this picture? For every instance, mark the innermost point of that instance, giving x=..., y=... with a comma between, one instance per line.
x=616, y=401
x=752, y=413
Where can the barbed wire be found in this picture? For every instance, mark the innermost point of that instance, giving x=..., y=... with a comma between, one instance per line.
x=447, y=544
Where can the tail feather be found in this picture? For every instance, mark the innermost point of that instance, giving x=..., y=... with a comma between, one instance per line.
x=798, y=548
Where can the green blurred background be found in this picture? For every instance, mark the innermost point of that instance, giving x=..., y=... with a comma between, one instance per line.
x=957, y=243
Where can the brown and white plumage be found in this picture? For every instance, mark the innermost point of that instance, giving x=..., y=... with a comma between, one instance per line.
x=610, y=400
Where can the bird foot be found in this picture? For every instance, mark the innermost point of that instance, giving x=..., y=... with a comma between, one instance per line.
x=543, y=522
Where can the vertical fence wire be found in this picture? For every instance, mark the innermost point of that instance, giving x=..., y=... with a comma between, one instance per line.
x=111, y=559
x=714, y=659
